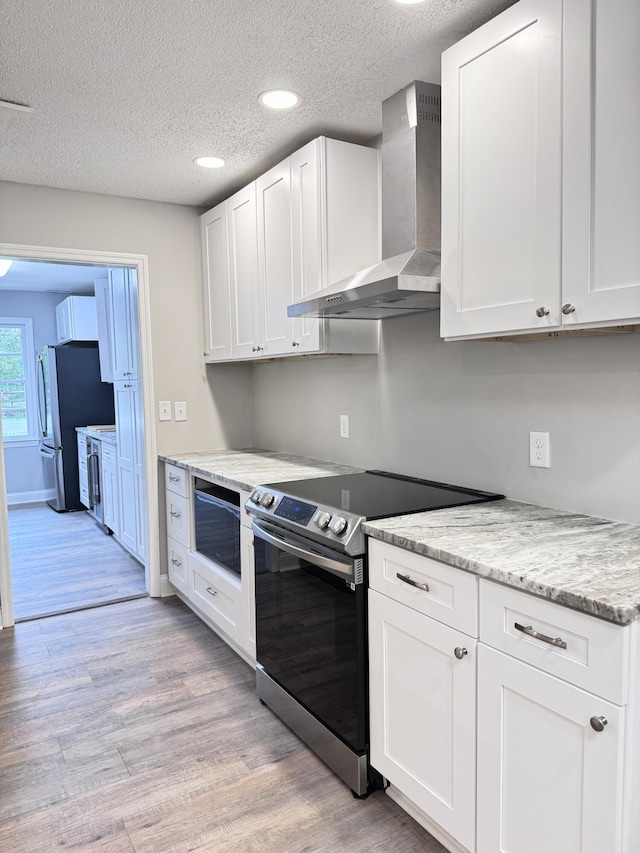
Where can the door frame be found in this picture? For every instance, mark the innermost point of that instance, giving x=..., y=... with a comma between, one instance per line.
x=113, y=259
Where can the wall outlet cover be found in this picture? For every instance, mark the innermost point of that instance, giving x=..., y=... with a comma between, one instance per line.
x=539, y=450
x=344, y=426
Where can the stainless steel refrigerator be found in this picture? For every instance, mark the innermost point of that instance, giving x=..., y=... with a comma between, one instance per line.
x=70, y=394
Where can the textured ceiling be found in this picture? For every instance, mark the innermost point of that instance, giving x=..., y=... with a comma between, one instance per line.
x=125, y=93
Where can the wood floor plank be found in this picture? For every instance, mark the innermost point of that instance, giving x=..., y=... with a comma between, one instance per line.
x=134, y=728
x=62, y=561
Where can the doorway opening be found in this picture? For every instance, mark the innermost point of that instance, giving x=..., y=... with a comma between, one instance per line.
x=65, y=553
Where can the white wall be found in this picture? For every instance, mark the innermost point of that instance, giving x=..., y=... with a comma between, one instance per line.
x=218, y=399
x=461, y=413
x=23, y=465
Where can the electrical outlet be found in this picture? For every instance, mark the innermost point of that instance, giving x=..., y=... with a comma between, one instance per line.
x=344, y=426
x=539, y=450
x=181, y=411
x=164, y=410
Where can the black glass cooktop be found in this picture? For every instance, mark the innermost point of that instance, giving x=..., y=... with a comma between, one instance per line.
x=377, y=494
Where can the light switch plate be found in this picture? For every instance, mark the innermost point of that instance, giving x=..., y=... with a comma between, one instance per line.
x=164, y=410
x=180, y=411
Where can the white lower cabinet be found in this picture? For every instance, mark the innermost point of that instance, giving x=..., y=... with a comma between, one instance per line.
x=423, y=712
x=110, y=494
x=223, y=599
x=551, y=718
x=547, y=780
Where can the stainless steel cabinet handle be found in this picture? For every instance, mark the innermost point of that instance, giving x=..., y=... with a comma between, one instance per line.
x=257, y=349
x=174, y=514
x=295, y=343
x=598, y=723
x=126, y=385
x=568, y=308
x=407, y=579
x=205, y=354
x=529, y=631
x=542, y=311
x=176, y=562
x=211, y=591
x=173, y=478
x=460, y=652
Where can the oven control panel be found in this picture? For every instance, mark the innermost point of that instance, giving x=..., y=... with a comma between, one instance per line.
x=323, y=523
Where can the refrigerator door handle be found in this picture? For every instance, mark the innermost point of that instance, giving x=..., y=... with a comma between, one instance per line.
x=42, y=398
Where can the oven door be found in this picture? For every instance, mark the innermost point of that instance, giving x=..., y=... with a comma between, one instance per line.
x=311, y=630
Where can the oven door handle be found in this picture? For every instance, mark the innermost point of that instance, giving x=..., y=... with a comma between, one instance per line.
x=345, y=569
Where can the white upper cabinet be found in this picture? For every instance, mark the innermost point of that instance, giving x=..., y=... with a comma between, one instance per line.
x=124, y=323
x=76, y=319
x=306, y=223
x=215, y=264
x=601, y=221
x=501, y=173
x=541, y=178
x=273, y=193
x=243, y=272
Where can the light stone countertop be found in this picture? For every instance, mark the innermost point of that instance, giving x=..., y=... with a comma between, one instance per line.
x=110, y=436
x=581, y=561
x=245, y=469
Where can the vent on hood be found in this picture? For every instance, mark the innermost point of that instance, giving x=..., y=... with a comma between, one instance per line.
x=407, y=279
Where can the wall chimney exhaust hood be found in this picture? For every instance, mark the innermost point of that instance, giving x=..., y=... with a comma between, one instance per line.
x=407, y=280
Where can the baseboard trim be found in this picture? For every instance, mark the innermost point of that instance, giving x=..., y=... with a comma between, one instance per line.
x=166, y=587
x=40, y=496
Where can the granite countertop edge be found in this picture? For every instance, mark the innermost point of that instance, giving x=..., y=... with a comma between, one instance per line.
x=549, y=571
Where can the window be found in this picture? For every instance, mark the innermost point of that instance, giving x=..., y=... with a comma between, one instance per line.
x=17, y=380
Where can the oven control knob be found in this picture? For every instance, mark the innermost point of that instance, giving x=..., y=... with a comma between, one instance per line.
x=267, y=499
x=255, y=496
x=338, y=525
x=321, y=520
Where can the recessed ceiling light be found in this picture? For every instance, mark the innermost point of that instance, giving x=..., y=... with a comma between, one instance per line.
x=279, y=99
x=409, y=2
x=209, y=162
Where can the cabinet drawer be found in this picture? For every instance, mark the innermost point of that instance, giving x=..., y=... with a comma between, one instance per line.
x=109, y=453
x=217, y=594
x=451, y=597
x=178, y=526
x=176, y=479
x=177, y=565
x=84, y=494
x=596, y=656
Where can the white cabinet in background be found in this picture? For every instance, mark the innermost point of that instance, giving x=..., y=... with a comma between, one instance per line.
x=308, y=222
x=102, y=292
x=109, y=491
x=76, y=319
x=541, y=179
x=131, y=482
x=83, y=472
x=124, y=323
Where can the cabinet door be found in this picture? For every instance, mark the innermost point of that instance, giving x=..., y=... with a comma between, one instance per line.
x=423, y=713
x=63, y=321
x=103, y=316
x=215, y=269
x=124, y=323
x=306, y=239
x=243, y=270
x=546, y=780
x=601, y=221
x=273, y=191
x=110, y=497
x=125, y=422
x=501, y=174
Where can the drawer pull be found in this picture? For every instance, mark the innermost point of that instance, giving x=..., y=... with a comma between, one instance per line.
x=176, y=562
x=530, y=632
x=175, y=514
x=407, y=579
x=173, y=478
x=598, y=723
x=211, y=591
x=460, y=652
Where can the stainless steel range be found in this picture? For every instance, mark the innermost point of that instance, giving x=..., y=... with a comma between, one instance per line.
x=311, y=626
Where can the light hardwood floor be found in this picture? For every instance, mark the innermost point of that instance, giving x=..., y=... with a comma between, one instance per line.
x=63, y=561
x=132, y=727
